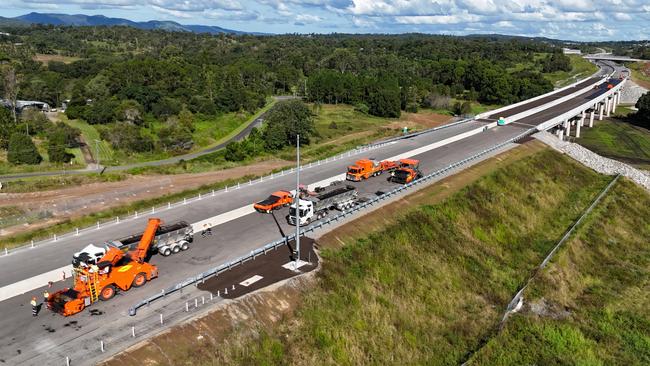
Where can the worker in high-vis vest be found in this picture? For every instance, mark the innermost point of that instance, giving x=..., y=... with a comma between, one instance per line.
x=46, y=295
x=34, y=306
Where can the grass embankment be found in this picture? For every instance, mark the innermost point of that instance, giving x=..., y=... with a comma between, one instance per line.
x=640, y=73
x=618, y=140
x=591, y=305
x=62, y=181
x=430, y=285
x=581, y=68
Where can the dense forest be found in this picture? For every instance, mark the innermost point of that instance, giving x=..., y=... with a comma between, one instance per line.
x=123, y=78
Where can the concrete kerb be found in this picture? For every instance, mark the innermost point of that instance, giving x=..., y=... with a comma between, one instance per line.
x=223, y=267
x=169, y=205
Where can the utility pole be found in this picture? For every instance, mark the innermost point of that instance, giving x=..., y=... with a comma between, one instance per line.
x=297, y=200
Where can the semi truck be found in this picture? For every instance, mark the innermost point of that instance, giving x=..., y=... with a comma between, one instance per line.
x=337, y=196
x=114, y=271
x=168, y=239
x=275, y=201
x=366, y=168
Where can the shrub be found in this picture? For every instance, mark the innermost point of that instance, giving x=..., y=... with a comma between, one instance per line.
x=22, y=150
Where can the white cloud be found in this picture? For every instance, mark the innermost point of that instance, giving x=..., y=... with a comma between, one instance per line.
x=196, y=5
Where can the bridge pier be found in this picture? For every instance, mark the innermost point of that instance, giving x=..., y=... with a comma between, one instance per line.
x=615, y=102
x=591, y=117
x=579, y=123
x=608, y=111
x=583, y=116
x=602, y=109
x=567, y=126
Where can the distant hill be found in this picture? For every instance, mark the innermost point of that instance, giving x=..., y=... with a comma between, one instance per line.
x=100, y=20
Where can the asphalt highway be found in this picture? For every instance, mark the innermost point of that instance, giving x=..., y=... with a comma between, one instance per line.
x=25, y=339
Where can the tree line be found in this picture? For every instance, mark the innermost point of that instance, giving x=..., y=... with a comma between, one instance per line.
x=125, y=79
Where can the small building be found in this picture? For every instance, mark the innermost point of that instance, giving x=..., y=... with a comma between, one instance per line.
x=571, y=51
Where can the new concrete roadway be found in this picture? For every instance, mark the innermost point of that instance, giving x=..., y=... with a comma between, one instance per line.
x=28, y=340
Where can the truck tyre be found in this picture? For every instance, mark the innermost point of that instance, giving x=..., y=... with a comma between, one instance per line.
x=165, y=251
x=139, y=280
x=107, y=293
x=176, y=249
x=185, y=245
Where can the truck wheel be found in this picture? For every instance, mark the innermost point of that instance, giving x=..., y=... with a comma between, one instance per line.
x=166, y=252
x=139, y=280
x=107, y=293
x=176, y=249
x=185, y=245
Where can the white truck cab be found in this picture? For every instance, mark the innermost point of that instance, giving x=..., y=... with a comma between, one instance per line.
x=306, y=212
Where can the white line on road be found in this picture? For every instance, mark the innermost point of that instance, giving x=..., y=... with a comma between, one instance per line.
x=29, y=284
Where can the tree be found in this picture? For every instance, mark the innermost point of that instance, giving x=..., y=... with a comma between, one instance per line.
x=56, y=147
x=7, y=127
x=11, y=89
x=36, y=121
x=286, y=120
x=22, y=150
x=643, y=113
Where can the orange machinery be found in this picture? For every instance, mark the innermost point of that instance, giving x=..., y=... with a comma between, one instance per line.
x=408, y=171
x=366, y=168
x=275, y=201
x=115, y=270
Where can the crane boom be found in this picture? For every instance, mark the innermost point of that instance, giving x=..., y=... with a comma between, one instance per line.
x=140, y=252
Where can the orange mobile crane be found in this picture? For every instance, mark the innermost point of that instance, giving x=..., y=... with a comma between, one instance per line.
x=115, y=270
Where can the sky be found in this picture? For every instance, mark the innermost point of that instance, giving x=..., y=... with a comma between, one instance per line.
x=580, y=20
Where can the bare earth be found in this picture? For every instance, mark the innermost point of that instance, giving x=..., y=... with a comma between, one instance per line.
x=81, y=200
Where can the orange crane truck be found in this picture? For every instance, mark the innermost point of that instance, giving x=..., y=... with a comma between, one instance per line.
x=366, y=168
x=114, y=271
x=275, y=201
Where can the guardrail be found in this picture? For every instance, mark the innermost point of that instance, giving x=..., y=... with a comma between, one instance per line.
x=284, y=241
x=211, y=193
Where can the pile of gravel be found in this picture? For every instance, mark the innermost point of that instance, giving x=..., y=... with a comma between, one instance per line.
x=594, y=161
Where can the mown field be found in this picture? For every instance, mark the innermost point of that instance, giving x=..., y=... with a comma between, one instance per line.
x=431, y=286
x=620, y=141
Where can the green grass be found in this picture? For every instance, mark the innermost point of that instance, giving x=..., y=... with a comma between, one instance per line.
x=433, y=283
x=90, y=135
x=63, y=181
x=581, y=69
x=618, y=140
x=45, y=165
x=640, y=73
x=595, y=293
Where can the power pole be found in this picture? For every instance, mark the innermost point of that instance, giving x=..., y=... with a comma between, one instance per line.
x=297, y=200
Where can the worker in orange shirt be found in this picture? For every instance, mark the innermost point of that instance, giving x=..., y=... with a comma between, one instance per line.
x=34, y=306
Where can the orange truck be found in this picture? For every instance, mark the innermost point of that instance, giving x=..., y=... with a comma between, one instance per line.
x=114, y=271
x=275, y=201
x=366, y=168
x=408, y=171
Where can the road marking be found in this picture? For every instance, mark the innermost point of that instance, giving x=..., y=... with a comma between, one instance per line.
x=292, y=266
x=251, y=280
x=29, y=284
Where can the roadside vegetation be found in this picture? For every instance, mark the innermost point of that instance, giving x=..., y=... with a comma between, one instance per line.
x=619, y=140
x=590, y=306
x=432, y=283
x=147, y=96
x=578, y=68
x=640, y=73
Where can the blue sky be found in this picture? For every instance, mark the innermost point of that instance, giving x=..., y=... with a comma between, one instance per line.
x=566, y=19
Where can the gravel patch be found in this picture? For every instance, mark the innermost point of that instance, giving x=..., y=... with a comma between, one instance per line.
x=594, y=161
x=631, y=92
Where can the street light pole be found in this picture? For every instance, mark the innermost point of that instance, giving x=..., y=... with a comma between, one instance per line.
x=297, y=200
